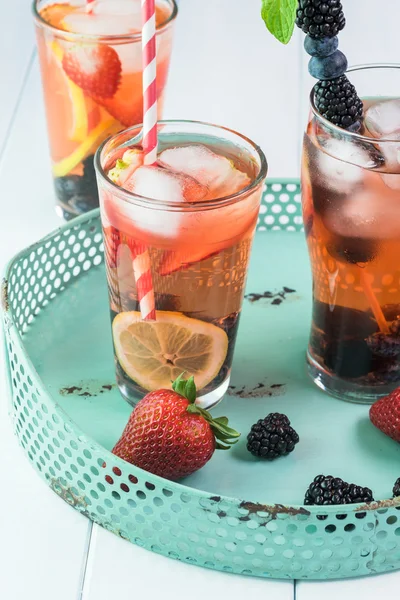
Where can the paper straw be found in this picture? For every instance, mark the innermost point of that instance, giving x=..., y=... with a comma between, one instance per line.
x=89, y=6
x=374, y=304
x=141, y=265
x=149, y=77
x=141, y=257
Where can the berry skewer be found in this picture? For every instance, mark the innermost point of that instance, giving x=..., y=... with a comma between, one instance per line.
x=335, y=97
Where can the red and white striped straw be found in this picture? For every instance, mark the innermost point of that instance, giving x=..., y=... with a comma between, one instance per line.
x=141, y=261
x=90, y=6
x=149, y=78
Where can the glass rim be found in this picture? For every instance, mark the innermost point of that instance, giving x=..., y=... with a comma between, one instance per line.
x=132, y=198
x=352, y=134
x=91, y=37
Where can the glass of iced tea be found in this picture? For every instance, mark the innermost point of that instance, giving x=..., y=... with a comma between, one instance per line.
x=177, y=238
x=351, y=206
x=91, y=65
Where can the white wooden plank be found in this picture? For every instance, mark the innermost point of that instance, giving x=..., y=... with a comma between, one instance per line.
x=227, y=69
x=16, y=47
x=44, y=541
x=364, y=588
x=118, y=569
x=27, y=206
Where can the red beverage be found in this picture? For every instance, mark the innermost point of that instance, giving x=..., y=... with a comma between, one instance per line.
x=91, y=68
x=190, y=220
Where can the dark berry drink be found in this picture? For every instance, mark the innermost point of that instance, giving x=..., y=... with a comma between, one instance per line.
x=351, y=205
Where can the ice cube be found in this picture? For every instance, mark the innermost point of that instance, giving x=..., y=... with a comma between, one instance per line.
x=212, y=170
x=160, y=184
x=383, y=119
x=392, y=180
x=342, y=162
x=372, y=213
x=109, y=17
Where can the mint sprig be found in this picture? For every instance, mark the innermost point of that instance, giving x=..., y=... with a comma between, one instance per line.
x=279, y=16
x=225, y=436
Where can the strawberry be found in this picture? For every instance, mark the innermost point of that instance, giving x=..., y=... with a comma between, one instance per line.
x=385, y=414
x=95, y=68
x=170, y=436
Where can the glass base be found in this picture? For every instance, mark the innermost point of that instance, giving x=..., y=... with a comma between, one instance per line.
x=343, y=388
x=67, y=215
x=66, y=212
x=132, y=395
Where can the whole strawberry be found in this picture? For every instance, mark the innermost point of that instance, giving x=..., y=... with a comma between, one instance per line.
x=168, y=435
x=385, y=414
x=96, y=68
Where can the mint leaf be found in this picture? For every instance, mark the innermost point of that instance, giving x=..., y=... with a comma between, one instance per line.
x=279, y=17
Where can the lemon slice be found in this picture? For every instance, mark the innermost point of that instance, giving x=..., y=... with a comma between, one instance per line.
x=92, y=141
x=155, y=353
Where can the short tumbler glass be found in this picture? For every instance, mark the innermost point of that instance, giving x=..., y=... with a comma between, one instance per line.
x=351, y=209
x=194, y=258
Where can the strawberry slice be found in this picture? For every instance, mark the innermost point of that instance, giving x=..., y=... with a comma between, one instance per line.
x=95, y=68
x=127, y=104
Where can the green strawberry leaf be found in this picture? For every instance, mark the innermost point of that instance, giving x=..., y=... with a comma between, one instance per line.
x=279, y=16
x=185, y=387
x=225, y=436
x=190, y=391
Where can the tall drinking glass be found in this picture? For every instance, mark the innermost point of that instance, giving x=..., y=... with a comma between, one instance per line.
x=91, y=67
x=185, y=255
x=351, y=205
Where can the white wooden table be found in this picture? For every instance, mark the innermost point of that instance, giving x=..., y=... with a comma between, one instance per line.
x=225, y=69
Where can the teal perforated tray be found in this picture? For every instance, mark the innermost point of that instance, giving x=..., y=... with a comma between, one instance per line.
x=237, y=514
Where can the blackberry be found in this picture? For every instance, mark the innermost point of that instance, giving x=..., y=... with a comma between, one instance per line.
x=388, y=372
x=395, y=327
x=337, y=100
x=396, y=488
x=272, y=437
x=328, y=491
x=320, y=18
x=384, y=345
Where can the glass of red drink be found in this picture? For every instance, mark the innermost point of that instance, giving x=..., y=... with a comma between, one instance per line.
x=177, y=238
x=351, y=206
x=91, y=67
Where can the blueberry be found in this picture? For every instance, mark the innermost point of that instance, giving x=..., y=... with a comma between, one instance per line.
x=328, y=67
x=321, y=48
x=352, y=250
x=66, y=187
x=83, y=203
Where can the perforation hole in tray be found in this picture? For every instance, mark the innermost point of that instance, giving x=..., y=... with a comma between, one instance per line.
x=38, y=277
x=281, y=207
